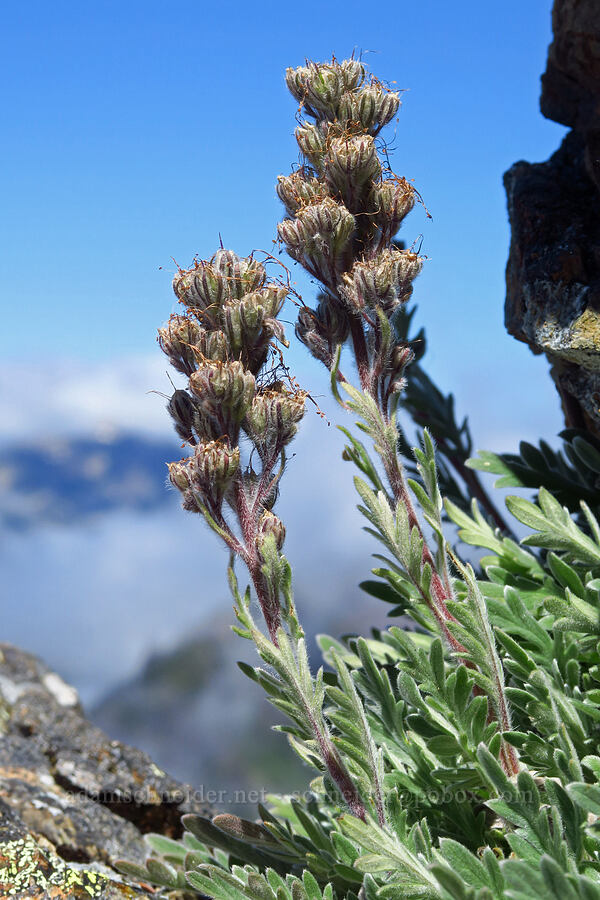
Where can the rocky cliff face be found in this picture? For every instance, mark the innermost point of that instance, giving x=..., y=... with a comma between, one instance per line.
x=553, y=271
x=72, y=801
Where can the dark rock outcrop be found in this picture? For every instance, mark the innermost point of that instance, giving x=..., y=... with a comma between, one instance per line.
x=553, y=271
x=72, y=801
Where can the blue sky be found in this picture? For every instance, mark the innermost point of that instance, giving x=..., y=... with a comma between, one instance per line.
x=134, y=132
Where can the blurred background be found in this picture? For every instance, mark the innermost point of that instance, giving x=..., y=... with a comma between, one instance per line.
x=139, y=133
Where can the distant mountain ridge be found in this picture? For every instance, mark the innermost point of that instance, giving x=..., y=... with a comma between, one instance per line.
x=65, y=480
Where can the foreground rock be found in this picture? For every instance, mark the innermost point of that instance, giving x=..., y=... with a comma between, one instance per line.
x=72, y=801
x=553, y=271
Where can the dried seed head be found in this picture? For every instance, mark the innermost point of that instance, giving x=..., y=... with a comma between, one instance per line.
x=242, y=323
x=270, y=524
x=224, y=390
x=227, y=276
x=201, y=289
x=312, y=143
x=299, y=189
x=250, y=323
x=351, y=163
x=320, y=233
x=384, y=281
x=296, y=80
x=211, y=345
x=177, y=340
x=179, y=475
x=271, y=298
x=214, y=464
x=353, y=74
x=240, y=274
x=370, y=109
x=324, y=87
x=392, y=200
x=271, y=422
x=206, y=475
x=319, y=86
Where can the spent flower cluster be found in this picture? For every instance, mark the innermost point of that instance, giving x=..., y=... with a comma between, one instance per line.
x=455, y=762
x=224, y=344
x=344, y=207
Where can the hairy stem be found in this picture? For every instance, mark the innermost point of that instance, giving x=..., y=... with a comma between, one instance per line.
x=361, y=354
x=332, y=760
x=268, y=603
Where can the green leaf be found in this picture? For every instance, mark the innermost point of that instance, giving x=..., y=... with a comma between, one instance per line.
x=464, y=863
x=444, y=745
x=587, y=796
x=526, y=512
x=565, y=574
x=162, y=873
x=491, y=462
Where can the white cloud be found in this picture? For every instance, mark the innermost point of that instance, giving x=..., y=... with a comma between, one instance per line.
x=95, y=599
x=103, y=594
x=58, y=397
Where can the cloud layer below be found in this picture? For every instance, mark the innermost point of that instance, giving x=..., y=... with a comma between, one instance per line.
x=95, y=598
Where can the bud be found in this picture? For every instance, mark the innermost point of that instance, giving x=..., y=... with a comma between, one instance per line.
x=270, y=524
x=271, y=421
x=240, y=274
x=307, y=331
x=333, y=320
x=370, y=109
x=401, y=356
x=251, y=483
x=351, y=163
x=384, y=281
x=393, y=200
x=177, y=340
x=223, y=388
x=182, y=410
x=298, y=190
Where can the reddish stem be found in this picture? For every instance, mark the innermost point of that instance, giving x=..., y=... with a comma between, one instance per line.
x=361, y=354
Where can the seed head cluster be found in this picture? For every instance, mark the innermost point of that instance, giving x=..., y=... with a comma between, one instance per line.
x=223, y=342
x=344, y=209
